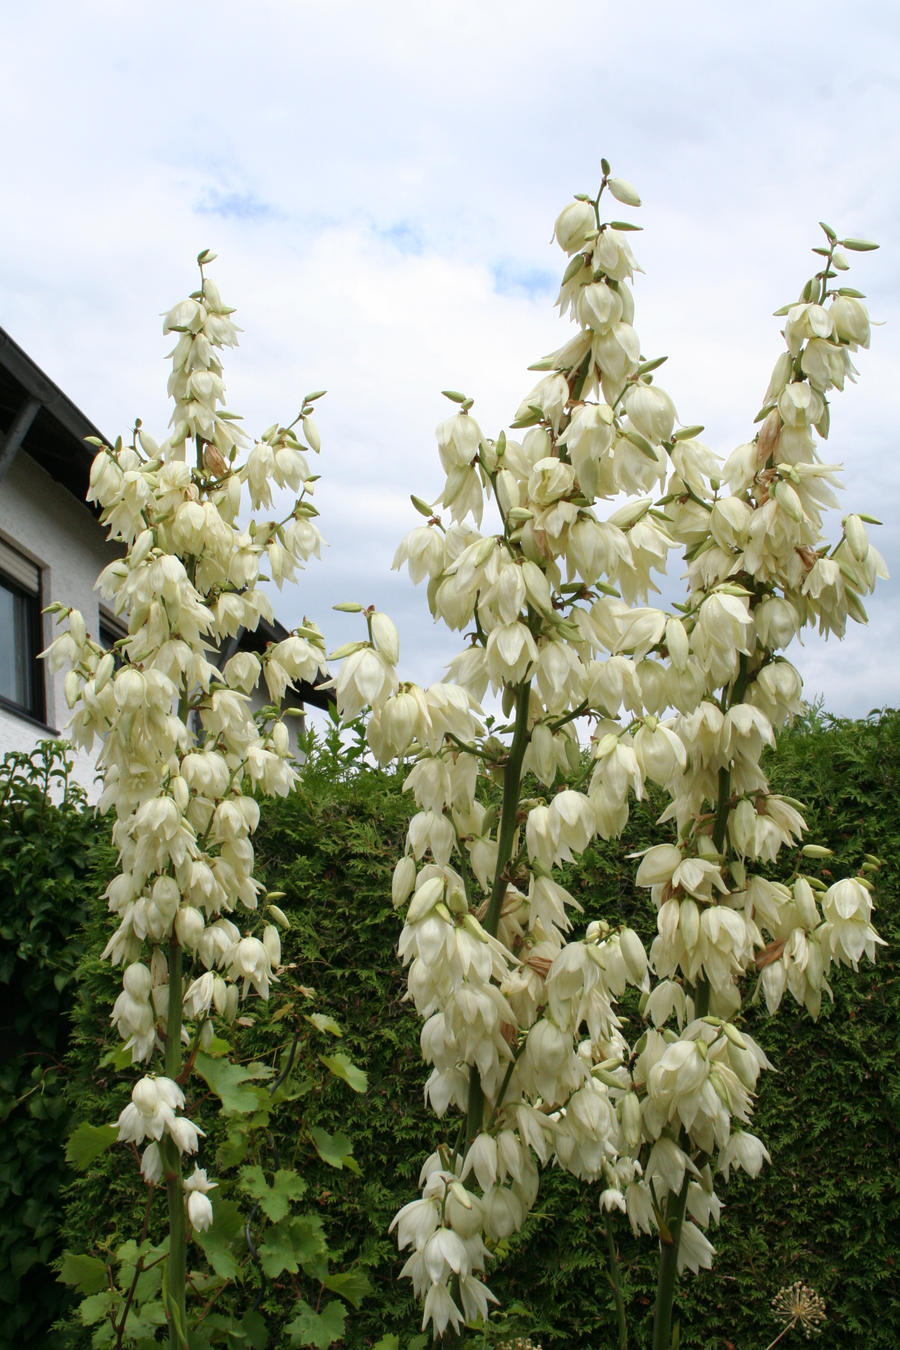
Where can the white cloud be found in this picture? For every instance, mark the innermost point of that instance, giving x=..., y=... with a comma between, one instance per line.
x=380, y=183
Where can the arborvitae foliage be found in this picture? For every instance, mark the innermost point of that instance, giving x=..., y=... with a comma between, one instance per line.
x=49, y=857
x=275, y=1116
x=827, y=1211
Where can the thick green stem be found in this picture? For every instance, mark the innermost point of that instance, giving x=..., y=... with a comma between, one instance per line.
x=613, y=1259
x=512, y=782
x=723, y=804
x=701, y=996
x=668, y=1268
x=720, y=826
x=475, y=1109
x=177, y=1263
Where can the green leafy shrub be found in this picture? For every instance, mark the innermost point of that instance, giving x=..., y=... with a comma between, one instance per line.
x=827, y=1212
x=268, y=1104
x=828, y=1209
x=50, y=856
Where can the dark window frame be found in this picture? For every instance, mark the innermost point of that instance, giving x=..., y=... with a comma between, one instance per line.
x=111, y=630
x=35, y=709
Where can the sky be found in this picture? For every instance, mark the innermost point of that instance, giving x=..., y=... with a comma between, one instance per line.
x=380, y=184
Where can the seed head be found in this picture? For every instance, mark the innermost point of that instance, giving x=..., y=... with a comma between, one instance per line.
x=798, y=1304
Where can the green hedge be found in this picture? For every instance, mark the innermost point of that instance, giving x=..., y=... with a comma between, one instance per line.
x=828, y=1209
x=50, y=859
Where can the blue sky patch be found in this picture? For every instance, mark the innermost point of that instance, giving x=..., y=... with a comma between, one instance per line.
x=235, y=206
x=515, y=278
x=401, y=235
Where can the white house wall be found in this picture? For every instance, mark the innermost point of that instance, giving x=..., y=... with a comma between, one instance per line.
x=45, y=523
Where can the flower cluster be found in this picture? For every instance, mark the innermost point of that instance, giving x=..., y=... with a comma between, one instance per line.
x=523, y=1026
x=181, y=750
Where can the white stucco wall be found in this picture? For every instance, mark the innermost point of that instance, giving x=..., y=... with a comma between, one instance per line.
x=45, y=523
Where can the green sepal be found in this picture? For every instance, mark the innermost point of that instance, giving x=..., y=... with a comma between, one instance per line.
x=347, y=649
x=646, y=366
x=641, y=443
x=574, y=267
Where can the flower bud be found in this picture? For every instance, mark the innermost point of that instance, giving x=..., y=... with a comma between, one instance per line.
x=152, y=1165
x=403, y=880
x=272, y=944
x=689, y=924
x=77, y=627
x=105, y=668
x=630, y=1120
x=189, y=926
x=857, y=538
x=72, y=686
x=200, y=1211
x=385, y=637
x=677, y=643
x=130, y=689
x=220, y=995
x=806, y=905
x=575, y=224
x=623, y=191
x=311, y=432
x=145, y=1095
x=633, y=953
x=427, y=896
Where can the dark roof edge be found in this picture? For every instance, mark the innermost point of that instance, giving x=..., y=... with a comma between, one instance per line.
x=48, y=394
x=39, y=386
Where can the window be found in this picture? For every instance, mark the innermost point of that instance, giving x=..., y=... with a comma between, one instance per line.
x=112, y=630
x=21, y=677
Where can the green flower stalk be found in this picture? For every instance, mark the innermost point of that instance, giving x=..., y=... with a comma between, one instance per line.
x=181, y=750
x=532, y=1057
